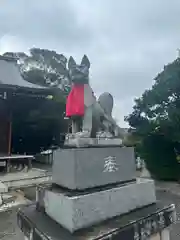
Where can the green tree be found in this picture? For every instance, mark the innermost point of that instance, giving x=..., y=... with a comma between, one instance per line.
x=156, y=120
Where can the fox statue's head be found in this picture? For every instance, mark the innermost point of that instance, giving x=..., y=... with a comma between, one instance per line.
x=79, y=74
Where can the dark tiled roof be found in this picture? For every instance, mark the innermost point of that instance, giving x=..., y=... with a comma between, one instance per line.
x=10, y=74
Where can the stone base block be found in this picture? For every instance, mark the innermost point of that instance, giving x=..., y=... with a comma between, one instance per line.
x=86, y=142
x=82, y=168
x=110, y=142
x=77, y=211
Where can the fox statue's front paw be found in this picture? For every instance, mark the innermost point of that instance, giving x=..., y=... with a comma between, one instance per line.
x=83, y=134
x=104, y=135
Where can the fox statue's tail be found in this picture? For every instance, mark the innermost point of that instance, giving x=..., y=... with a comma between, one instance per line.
x=106, y=101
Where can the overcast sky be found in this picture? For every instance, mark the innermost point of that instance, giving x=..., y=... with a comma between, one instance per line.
x=127, y=41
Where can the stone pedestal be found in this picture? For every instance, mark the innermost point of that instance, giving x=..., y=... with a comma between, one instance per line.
x=93, y=142
x=79, y=210
x=93, y=184
x=82, y=168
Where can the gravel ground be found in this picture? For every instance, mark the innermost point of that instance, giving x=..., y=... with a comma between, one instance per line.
x=10, y=231
x=8, y=226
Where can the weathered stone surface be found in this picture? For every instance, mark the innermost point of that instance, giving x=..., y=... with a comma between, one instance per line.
x=74, y=212
x=94, y=142
x=82, y=168
x=3, y=188
x=110, y=142
x=81, y=142
x=24, y=179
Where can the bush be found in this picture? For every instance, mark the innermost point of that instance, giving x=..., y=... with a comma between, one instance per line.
x=160, y=157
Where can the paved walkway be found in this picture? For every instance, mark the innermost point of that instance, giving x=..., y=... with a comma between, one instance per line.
x=171, y=187
x=8, y=226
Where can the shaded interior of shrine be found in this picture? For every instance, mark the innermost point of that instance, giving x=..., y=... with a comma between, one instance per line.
x=29, y=119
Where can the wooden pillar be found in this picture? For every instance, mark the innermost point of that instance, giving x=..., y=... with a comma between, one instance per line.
x=10, y=134
x=165, y=234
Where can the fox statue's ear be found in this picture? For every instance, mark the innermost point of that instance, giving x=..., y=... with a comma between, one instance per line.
x=85, y=61
x=71, y=63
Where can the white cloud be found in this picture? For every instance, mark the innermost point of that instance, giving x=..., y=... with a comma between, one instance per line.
x=127, y=42
x=10, y=43
x=121, y=109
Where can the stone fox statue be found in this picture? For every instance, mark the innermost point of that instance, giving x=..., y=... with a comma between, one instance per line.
x=88, y=115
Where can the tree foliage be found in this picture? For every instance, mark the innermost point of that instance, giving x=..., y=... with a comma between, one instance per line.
x=156, y=119
x=43, y=67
